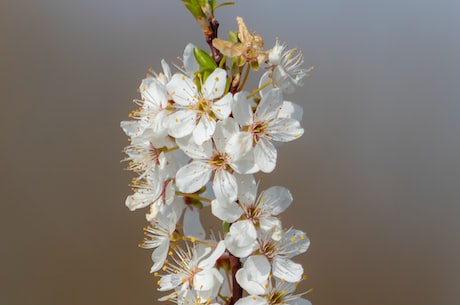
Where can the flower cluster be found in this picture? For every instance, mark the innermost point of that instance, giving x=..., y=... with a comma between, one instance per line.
x=196, y=142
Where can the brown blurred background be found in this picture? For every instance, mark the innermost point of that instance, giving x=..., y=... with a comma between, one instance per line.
x=376, y=177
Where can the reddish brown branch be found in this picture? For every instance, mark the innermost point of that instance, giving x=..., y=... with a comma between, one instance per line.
x=210, y=36
x=237, y=291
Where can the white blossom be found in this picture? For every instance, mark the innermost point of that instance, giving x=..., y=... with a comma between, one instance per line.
x=279, y=252
x=194, y=268
x=263, y=126
x=287, y=73
x=152, y=111
x=282, y=293
x=197, y=110
x=158, y=236
x=214, y=157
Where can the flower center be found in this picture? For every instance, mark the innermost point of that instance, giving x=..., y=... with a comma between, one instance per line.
x=219, y=161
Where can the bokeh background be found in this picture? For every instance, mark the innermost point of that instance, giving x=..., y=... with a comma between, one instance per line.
x=375, y=178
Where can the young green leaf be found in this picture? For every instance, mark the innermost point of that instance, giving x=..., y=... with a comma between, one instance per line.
x=204, y=59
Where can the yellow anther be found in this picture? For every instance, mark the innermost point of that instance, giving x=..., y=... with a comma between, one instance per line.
x=183, y=77
x=254, y=297
x=177, y=120
x=164, y=268
x=302, y=237
x=159, y=282
x=155, y=274
x=216, y=79
x=184, y=280
x=293, y=239
x=170, y=253
x=193, y=239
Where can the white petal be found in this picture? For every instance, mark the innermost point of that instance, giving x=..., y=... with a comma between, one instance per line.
x=188, y=146
x=207, y=283
x=299, y=301
x=277, y=199
x=159, y=126
x=253, y=277
x=252, y=300
x=282, y=80
x=224, y=131
x=182, y=90
x=223, y=107
x=214, y=86
x=169, y=281
x=159, y=255
x=265, y=155
x=246, y=165
x=287, y=270
x=192, y=224
x=241, y=240
x=210, y=261
x=181, y=123
x=224, y=186
x=166, y=69
x=155, y=94
x=141, y=199
x=242, y=109
x=271, y=225
x=247, y=189
x=290, y=110
x=297, y=242
x=264, y=79
x=284, y=130
x=204, y=129
x=132, y=128
x=193, y=176
x=226, y=211
x=258, y=268
x=269, y=105
x=239, y=145
x=189, y=60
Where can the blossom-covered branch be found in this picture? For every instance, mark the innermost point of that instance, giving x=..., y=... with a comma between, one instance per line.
x=197, y=139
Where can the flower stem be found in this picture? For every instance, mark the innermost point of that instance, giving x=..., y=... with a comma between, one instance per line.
x=254, y=92
x=248, y=68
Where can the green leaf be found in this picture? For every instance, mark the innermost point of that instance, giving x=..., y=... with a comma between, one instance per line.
x=194, y=7
x=222, y=62
x=233, y=36
x=205, y=73
x=225, y=226
x=204, y=59
x=225, y=4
